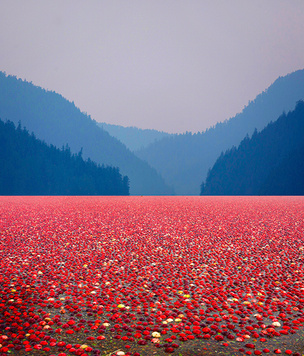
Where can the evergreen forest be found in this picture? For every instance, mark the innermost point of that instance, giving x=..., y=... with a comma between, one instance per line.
x=268, y=163
x=58, y=121
x=184, y=160
x=31, y=167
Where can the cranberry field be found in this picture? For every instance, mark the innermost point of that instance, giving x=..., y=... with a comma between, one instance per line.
x=151, y=276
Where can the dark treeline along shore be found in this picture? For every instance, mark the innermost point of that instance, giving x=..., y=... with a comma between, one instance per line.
x=31, y=167
x=271, y=162
x=268, y=159
x=58, y=121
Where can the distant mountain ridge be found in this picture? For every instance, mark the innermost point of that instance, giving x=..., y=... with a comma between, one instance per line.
x=59, y=122
x=183, y=160
x=31, y=167
x=133, y=137
x=271, y=162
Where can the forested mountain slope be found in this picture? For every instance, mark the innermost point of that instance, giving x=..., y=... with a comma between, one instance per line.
x=183, y=160
x=59, y=122
x=133, y=137
x=31, y=167
x=269, y=163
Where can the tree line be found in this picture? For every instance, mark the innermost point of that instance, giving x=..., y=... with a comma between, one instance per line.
x=269, y=163
x=31, y=167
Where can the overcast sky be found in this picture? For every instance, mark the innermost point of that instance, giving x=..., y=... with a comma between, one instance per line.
x=171, y=65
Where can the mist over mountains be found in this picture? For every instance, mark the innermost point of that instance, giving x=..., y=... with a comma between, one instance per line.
x=133, y=137
x=57, y=121
x=269, y=163
x=183, y=160
x=166, y=164
x=31, y=167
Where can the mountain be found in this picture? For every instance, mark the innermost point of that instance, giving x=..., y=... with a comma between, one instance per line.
x=269, y=163
x=133, y=137
x=31, y=167
x=287, y=178
x=59, y=122
x=183, y=160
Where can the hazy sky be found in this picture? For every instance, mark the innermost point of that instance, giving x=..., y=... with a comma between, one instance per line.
x=172, y=65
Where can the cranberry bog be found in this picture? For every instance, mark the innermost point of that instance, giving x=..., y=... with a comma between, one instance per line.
x=151, y=276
